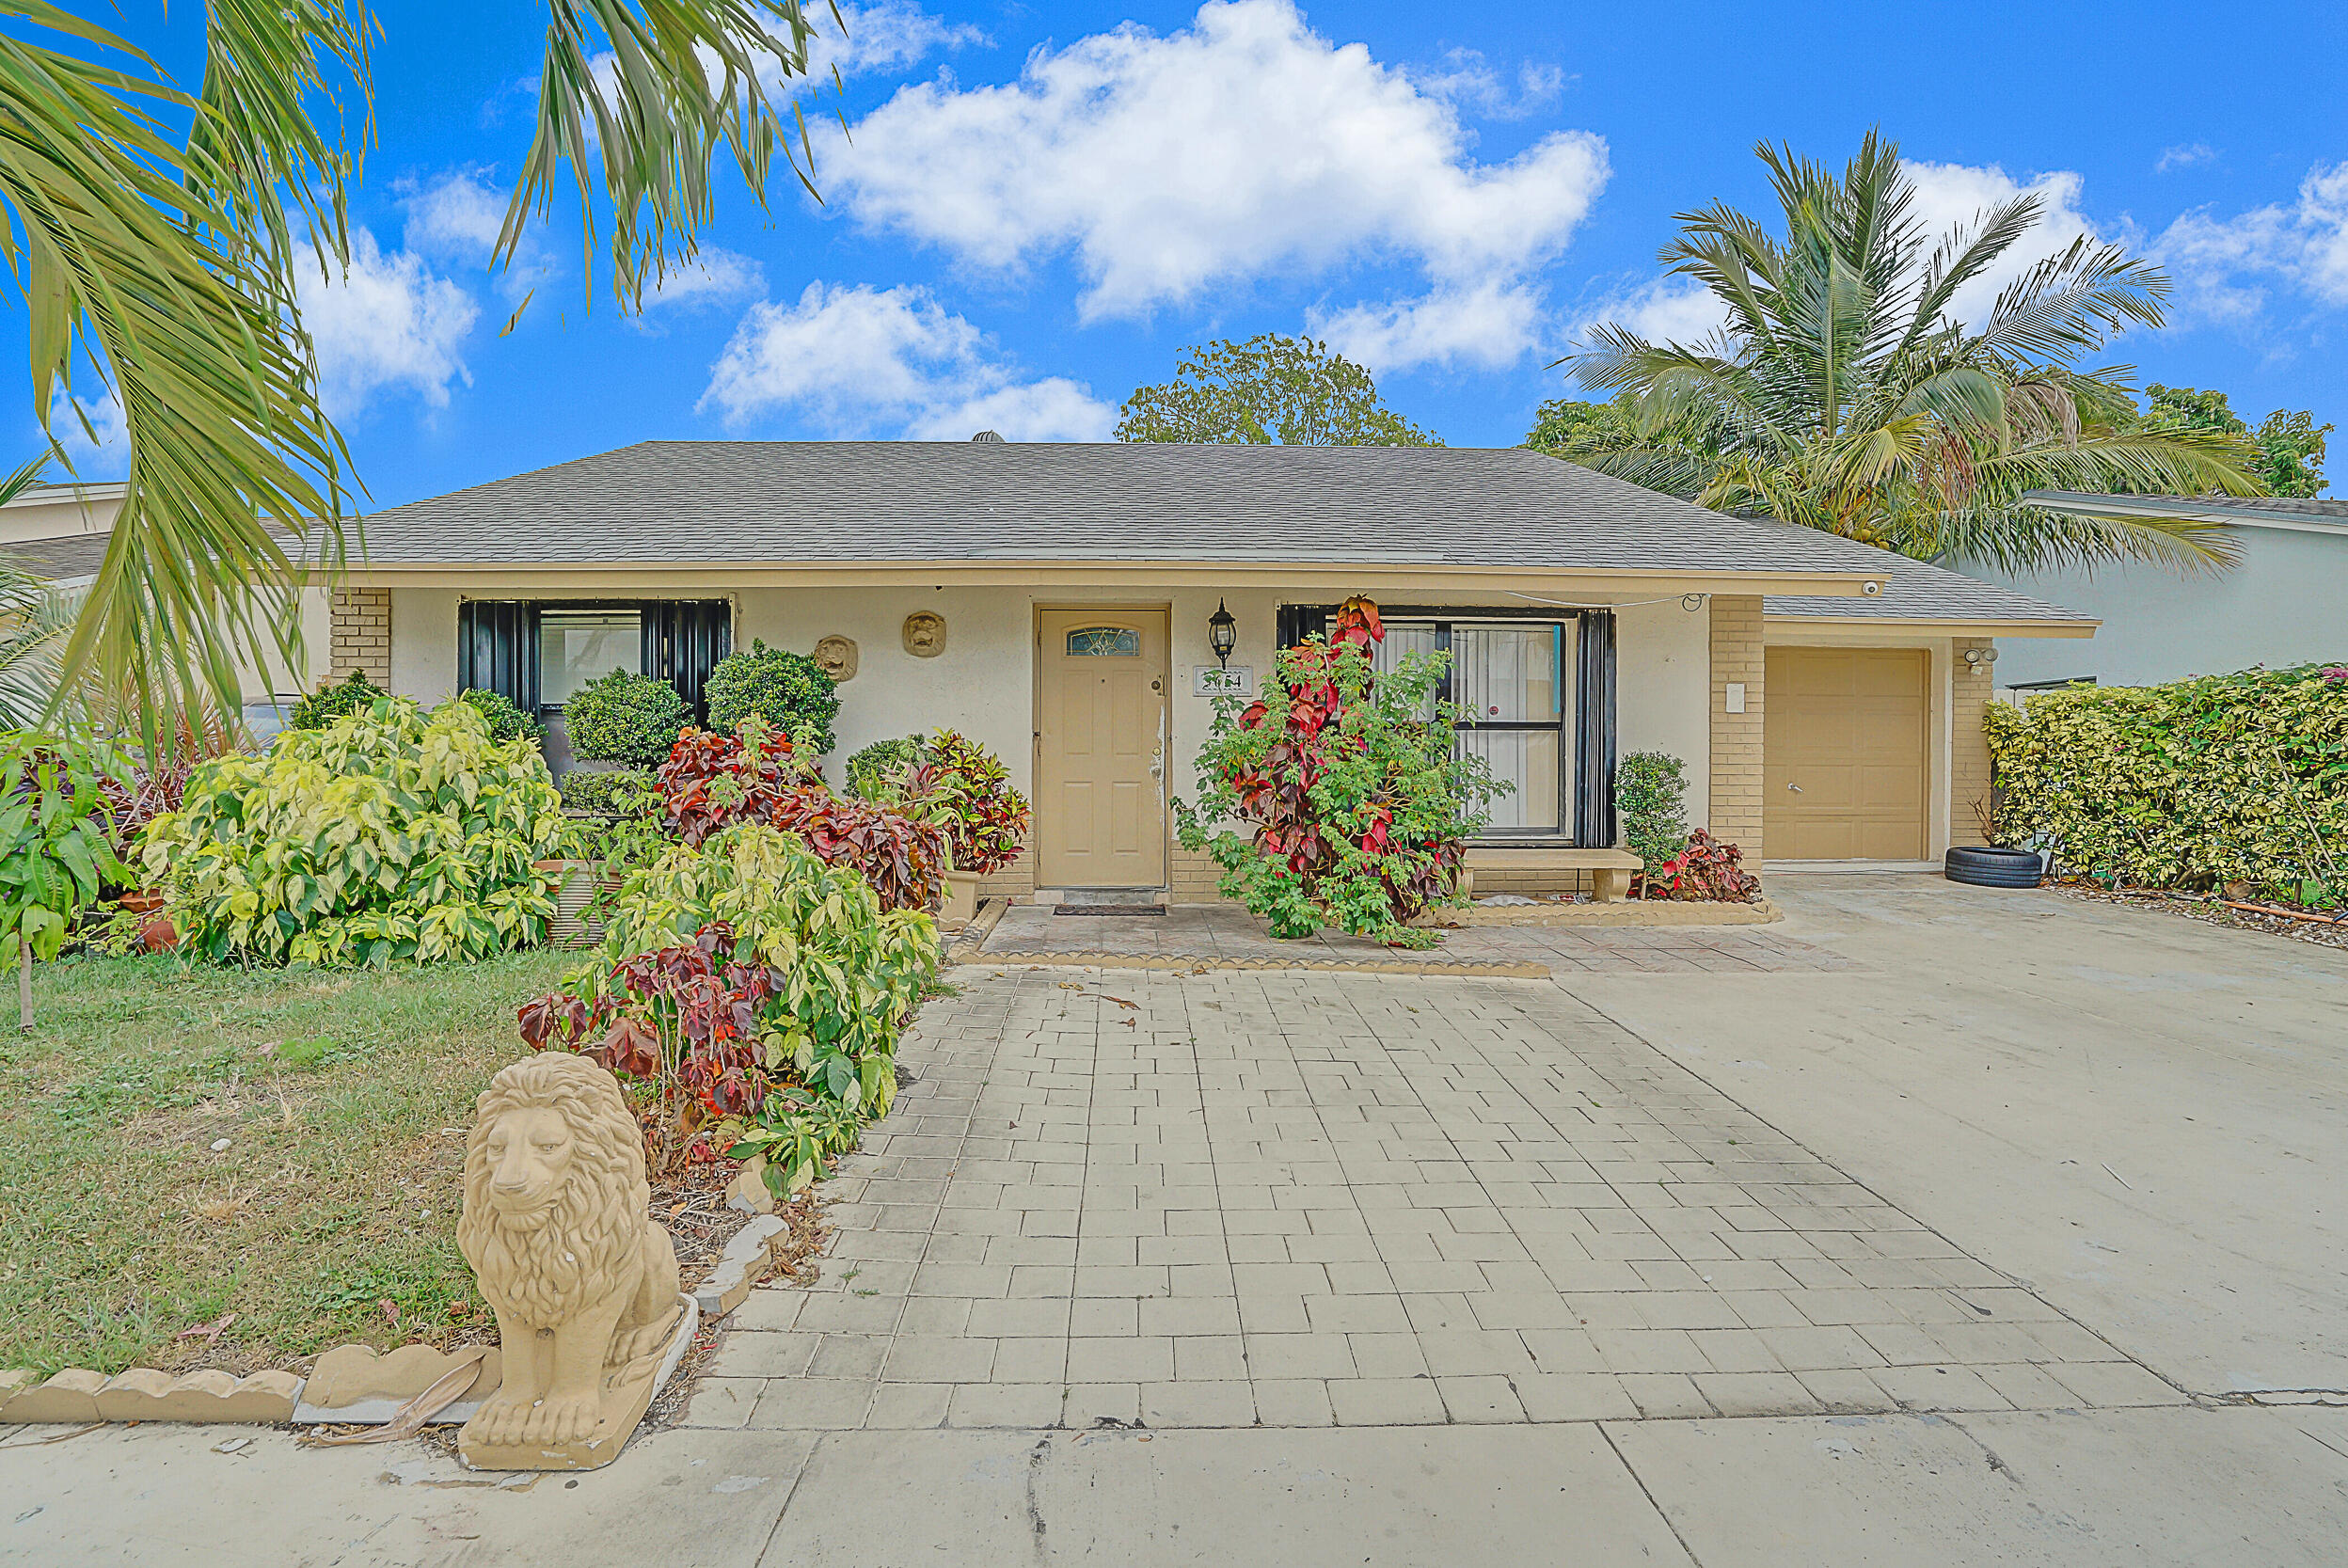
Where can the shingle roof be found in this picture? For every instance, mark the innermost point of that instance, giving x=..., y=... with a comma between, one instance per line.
x=726, y=502
x=1917, y=591
x=71, y=555
x=2284, y=511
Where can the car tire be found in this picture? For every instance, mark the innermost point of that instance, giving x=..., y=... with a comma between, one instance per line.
x=1984, y=866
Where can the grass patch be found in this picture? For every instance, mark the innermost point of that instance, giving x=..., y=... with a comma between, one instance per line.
x=331, y=1214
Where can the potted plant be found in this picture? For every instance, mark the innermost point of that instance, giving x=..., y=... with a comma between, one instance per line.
x=964, y=788
x=1994, y=864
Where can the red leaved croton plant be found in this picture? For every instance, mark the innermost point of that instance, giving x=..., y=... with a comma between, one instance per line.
x=1358, y=801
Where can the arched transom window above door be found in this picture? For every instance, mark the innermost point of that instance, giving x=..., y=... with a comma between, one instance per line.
x=1104, y=643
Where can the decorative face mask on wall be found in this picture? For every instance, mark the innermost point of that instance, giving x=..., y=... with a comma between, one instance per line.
x=925, y=634
x=837, y=657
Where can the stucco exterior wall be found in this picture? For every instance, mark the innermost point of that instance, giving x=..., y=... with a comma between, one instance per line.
x=1662, y=682
x=984, y=682
x=2280, y=607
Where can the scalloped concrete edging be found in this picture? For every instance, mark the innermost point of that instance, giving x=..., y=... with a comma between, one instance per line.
x=144, y=1394
x=359, y=1385
x=740, y=1267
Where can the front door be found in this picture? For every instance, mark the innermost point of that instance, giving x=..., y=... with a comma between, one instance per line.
x=1101, y=715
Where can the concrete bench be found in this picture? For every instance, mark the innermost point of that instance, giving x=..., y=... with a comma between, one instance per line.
x=1499, y=870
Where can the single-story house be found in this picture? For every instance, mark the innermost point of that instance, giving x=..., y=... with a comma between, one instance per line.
x=1054, y=602
x=2280, y=605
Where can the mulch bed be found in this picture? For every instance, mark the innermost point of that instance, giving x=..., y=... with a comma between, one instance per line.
x=2214, y=910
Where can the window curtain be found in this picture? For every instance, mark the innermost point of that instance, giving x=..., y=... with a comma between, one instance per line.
x=1593, y=746
x=497, y=649
x=684, y=638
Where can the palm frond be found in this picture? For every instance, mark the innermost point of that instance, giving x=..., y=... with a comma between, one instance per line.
x=658, y=86
x=128, y=266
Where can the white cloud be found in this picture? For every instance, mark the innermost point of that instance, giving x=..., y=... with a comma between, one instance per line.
x=109, y=456
x=389, y=323
x=1242, y=146
x=1486, y=325
x=861, y=359
x=456, y=213
x=891, y=35
x=715, y=277
x=2190, y=155
x=1467, y=78
x=2221, y=261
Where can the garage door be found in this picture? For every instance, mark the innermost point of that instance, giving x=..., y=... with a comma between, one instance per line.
x=1844, y=754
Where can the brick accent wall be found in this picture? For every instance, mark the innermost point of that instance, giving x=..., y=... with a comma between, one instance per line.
x=361, y=638
x=1192, y=876
x=1969, y=750
x=1737, y=655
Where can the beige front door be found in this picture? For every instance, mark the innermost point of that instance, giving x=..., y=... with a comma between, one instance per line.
x=1101, y=717
x=1842, y=754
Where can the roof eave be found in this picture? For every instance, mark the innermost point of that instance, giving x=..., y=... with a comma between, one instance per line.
x=1207, y=574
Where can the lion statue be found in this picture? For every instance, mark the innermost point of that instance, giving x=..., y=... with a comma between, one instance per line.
x=556, y=1226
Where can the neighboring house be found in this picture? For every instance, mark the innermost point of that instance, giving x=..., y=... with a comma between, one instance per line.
x=59, y=533
x=1054, y=602
x=2285, y=603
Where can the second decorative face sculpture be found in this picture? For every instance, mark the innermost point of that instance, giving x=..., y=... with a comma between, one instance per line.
x=925, y=634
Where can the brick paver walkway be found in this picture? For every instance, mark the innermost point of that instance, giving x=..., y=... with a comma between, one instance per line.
x=1289, y=1199
x=1226, y=931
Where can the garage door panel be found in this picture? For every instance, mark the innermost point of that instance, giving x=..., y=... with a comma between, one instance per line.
x=1843, y=764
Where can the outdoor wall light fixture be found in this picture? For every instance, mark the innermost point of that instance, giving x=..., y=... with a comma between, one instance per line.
x=1222, y=633
x=1980, y=658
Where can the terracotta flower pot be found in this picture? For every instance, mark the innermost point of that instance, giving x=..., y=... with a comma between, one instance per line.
x=145, y=901
x=158, y=935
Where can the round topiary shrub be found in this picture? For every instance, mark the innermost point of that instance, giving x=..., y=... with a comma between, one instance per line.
x=873, y=770
x=506, y=722
x=619, y=791
x=630, y=720
x=788, y=690
x=328, y=703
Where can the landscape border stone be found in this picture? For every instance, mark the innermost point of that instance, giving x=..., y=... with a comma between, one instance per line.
x=1199, y=964
x=740, y=1267
x=145, y=1394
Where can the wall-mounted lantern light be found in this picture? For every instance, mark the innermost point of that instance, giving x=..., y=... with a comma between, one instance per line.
x=1222, y=633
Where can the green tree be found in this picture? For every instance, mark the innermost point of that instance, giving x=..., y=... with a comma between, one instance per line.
x=1292, y=391
x=156, y=231
x=2291, y=445
x=1841, y=393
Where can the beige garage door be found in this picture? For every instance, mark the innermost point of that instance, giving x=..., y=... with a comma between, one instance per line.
x=1844, y=754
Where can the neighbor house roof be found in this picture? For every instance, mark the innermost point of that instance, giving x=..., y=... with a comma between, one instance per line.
x=62, y=559
x=791, y=510
x=2283, y=512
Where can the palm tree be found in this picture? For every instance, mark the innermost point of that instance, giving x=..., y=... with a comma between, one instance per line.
x=153, y=232
x=1841, y=393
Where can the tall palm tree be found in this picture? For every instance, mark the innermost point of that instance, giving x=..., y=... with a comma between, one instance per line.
x=153, y=232
x=1842, y=393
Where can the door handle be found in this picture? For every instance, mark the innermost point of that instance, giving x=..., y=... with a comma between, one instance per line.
x=1795, y=787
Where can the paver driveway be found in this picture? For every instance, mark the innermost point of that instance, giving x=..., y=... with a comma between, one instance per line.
x=1226, y=1199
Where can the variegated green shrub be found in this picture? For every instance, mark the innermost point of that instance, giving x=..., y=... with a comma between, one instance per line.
x=389, y=834
x=2226, y=779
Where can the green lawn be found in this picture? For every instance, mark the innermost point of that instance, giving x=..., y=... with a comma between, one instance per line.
x=343, y=1096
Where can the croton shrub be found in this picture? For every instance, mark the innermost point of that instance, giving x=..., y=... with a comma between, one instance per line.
x=966, y=790
x=756, y=990
x=712, y=781
x=389, y=835
x=1356, y=802
x=2225, y=779
x=1705, y=870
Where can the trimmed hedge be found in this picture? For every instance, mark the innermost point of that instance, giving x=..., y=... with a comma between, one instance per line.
x=790, y=692
x=612, y=793
x=2237, y=777
x=323, y=706
x=506, y=722
x=630, y=720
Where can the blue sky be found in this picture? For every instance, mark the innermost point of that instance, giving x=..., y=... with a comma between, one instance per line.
x=1041, y=205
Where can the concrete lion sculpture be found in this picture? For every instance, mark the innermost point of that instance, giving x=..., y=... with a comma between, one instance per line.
x=555, y=1227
